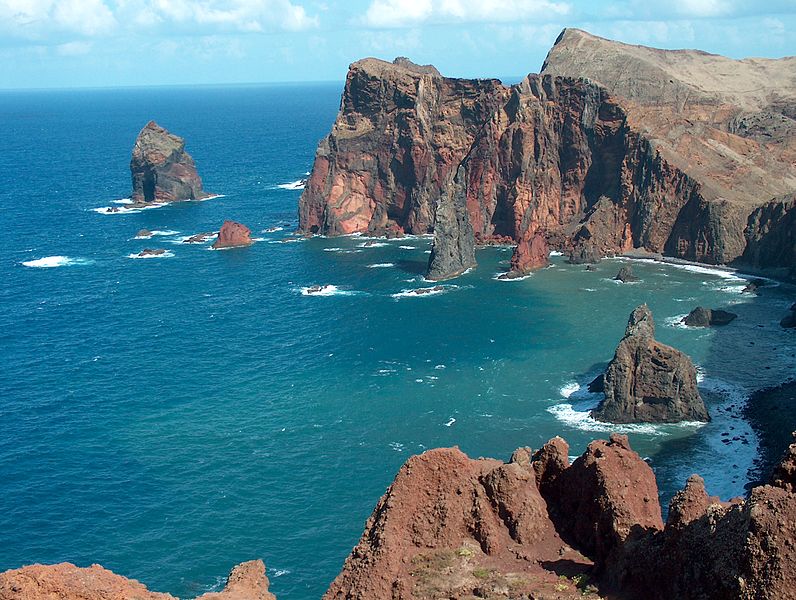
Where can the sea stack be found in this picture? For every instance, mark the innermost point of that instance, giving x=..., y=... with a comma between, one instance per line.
x=453, y=250
x=705, y=317
x=233, y=235
x=529, y=255
x=649, y=382
x=161, y=169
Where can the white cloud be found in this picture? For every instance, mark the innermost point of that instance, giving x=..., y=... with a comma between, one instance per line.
x=80, y=48
x=55, y=20
x=703, y=8
x=36, y=19
x=402, y=13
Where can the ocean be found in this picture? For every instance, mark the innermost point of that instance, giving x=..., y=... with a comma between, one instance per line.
x=170, y=417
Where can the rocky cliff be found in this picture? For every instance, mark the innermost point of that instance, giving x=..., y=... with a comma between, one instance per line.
x=161, y=169
x=540, y=527
x=679, y=159
x=647, y=381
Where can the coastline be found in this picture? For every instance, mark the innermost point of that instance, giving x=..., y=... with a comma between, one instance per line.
x=770, y=412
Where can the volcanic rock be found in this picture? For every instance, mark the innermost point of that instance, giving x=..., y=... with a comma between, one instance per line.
x=448, y=510
x=144, y=234
x=233, y=235
x=162, y=171
x=199, y=238
x=530, y=255
x=625, y=275
x=151, y=252
x=247, y=581
x=705, y=317
x=683, y=159
x=584, y=254
x=648, y=381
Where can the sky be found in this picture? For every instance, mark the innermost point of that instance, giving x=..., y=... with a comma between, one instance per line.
x=109, y=43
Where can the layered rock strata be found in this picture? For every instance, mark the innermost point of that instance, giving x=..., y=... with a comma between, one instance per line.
x=648, y=381
x=683, y=162
x=161, y=168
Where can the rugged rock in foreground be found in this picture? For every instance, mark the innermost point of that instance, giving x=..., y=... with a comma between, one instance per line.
x=705, y=317
x=233, y=235
x=684, y=161
x=648, y=381
x=65, y=581
x=161, y=169
x=625, y=275
x=453, y=527
x=450, y=525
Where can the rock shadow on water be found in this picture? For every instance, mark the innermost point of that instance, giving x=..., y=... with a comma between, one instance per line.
x=413, y=267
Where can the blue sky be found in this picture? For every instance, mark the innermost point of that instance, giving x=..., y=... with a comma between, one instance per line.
x=86, y=43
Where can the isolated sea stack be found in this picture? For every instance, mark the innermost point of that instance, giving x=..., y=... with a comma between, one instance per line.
x=233, y=235
x=649, y=382
x=706, y=317
x=691, y=157
x=162, y=171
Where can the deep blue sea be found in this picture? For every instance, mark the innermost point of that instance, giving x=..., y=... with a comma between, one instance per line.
x=171, y=417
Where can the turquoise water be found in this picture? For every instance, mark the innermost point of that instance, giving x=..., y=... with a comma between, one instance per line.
x=171, y=417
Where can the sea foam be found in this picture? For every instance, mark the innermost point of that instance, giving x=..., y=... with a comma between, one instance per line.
x=49, y=262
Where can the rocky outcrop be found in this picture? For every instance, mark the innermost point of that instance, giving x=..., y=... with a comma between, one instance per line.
x=600, y=162
x=65, y=581
x=394, y=149
x=161, y=169
x=447, y=519
x=625, y=275
x=453, y=250
x=233, y=235
x=648, y=381
x=789, y=320
x=706, y=317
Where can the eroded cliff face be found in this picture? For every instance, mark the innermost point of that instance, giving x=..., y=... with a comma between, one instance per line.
x=594, y=167
x=161, y=169
x=394, y=149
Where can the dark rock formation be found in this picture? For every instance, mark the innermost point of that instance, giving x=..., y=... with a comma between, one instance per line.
x=65, y=581
x=602, y=165
x=233, y=235
x=705, y=317
x=144, y=234
x=584, y=254
x=199, y=238
x=453, y=250
x=648, y=381
x=789, y=320
x=151, y=252
x=162, y=171
x=625, y=275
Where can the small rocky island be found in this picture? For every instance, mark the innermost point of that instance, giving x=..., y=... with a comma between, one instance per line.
x=649, y=382
x=161, y=169
x=233, y=235
x=707, y=317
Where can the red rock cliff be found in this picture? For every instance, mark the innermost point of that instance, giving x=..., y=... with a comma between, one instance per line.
x=596, y=167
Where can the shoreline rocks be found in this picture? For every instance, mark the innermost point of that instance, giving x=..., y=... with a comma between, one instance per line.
x=649, y=382
x=233, y=235
x=162, y=170
x=706, y=317
x=625, y=275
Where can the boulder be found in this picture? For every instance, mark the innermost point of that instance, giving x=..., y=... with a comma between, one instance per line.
x=233, y=235
x=705, y=317
x=161, y=169
x=625, y=275
x=530, y=254
x=144, y=234
x=648, y=381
